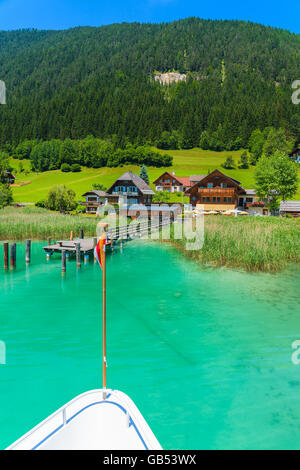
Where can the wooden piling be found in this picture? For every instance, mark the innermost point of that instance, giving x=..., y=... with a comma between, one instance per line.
x=81, y=234
x=78, y=255
x=27, y=251
x=49, y=241
x=13, y=255
x=63, y=262
x=5, y=254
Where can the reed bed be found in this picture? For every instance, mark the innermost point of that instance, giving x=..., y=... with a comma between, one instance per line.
x=39, y=224
x=248, y=243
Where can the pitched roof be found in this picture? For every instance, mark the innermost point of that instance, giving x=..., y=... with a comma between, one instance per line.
x=171, y=175
x=216, y=170
x=290, y=206
x=97, y=193
x=196, y=178
x=185, y=180
x=137, y=181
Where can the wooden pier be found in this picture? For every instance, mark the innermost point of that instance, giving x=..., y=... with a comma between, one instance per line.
x=85, y=246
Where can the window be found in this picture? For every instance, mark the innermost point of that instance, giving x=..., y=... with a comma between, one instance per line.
x=208, y=199
x=218, y=199
x=225, y=199
x=210, y=185
x=229, y=200
x=249, y=199
x=223, y=185
x=214, y=199
x=203, y=199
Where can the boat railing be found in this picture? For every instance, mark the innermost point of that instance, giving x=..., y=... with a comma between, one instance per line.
x=60, y=419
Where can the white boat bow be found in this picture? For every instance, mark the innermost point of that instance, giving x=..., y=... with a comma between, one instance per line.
x=90, y=422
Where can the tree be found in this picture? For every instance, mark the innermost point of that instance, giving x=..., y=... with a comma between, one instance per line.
x=256, y=143
x=204, y=141
x=161, y=196
x=276, y=178
x=144, y=174
x=4, y=167
x=6, y=196
x=61, y=199
x=229, y=163
x=244, y=161
x=276, y=140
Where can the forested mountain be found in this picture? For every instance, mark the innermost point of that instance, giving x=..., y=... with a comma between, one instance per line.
x=99, y=81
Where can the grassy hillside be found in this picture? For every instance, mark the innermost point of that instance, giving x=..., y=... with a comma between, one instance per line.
x=185, y=163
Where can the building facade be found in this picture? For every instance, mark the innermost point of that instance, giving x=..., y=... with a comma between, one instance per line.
x=95, y=199
x=171, y=183
x=131, y=189
x=216, y=191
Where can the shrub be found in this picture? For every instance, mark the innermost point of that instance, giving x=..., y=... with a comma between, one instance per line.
x=65, y=167
x=75, y=168
x=41, y=204
x=6, y=196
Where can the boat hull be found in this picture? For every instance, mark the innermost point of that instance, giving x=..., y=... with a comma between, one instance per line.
x=95, y=420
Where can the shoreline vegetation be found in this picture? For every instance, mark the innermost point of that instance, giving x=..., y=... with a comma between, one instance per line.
x=268, y=244
x=255, y=244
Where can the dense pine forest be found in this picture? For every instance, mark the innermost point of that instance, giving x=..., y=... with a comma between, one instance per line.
x=100, y=82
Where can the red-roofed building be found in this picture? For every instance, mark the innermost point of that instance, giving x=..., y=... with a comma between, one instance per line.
x=170, y=182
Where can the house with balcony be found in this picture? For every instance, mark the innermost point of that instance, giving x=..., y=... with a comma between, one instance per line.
x=95, y=199
x=131, y=189
x=171, y=183
x=216, y=191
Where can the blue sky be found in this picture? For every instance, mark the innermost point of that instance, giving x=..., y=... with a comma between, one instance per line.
x=61, y=14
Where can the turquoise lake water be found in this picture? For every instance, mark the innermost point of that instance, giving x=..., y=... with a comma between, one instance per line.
x=204, y=354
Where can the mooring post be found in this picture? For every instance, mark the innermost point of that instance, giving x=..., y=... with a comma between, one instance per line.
x=49, y=241
x=13, y=255
x=81, y=234
x=27, y=251
x=63, y=261
x=160, y=224
x=78, y=255
x=5, y=254
x=86, y=258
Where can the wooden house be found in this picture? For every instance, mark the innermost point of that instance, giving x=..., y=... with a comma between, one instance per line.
x=131, y=189
x=171, y=183
x=216, y=191
x=95, y=198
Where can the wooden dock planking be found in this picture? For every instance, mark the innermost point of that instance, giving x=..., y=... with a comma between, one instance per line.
x=86, y=246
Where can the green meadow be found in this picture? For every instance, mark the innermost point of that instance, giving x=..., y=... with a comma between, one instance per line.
x=35, y=186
